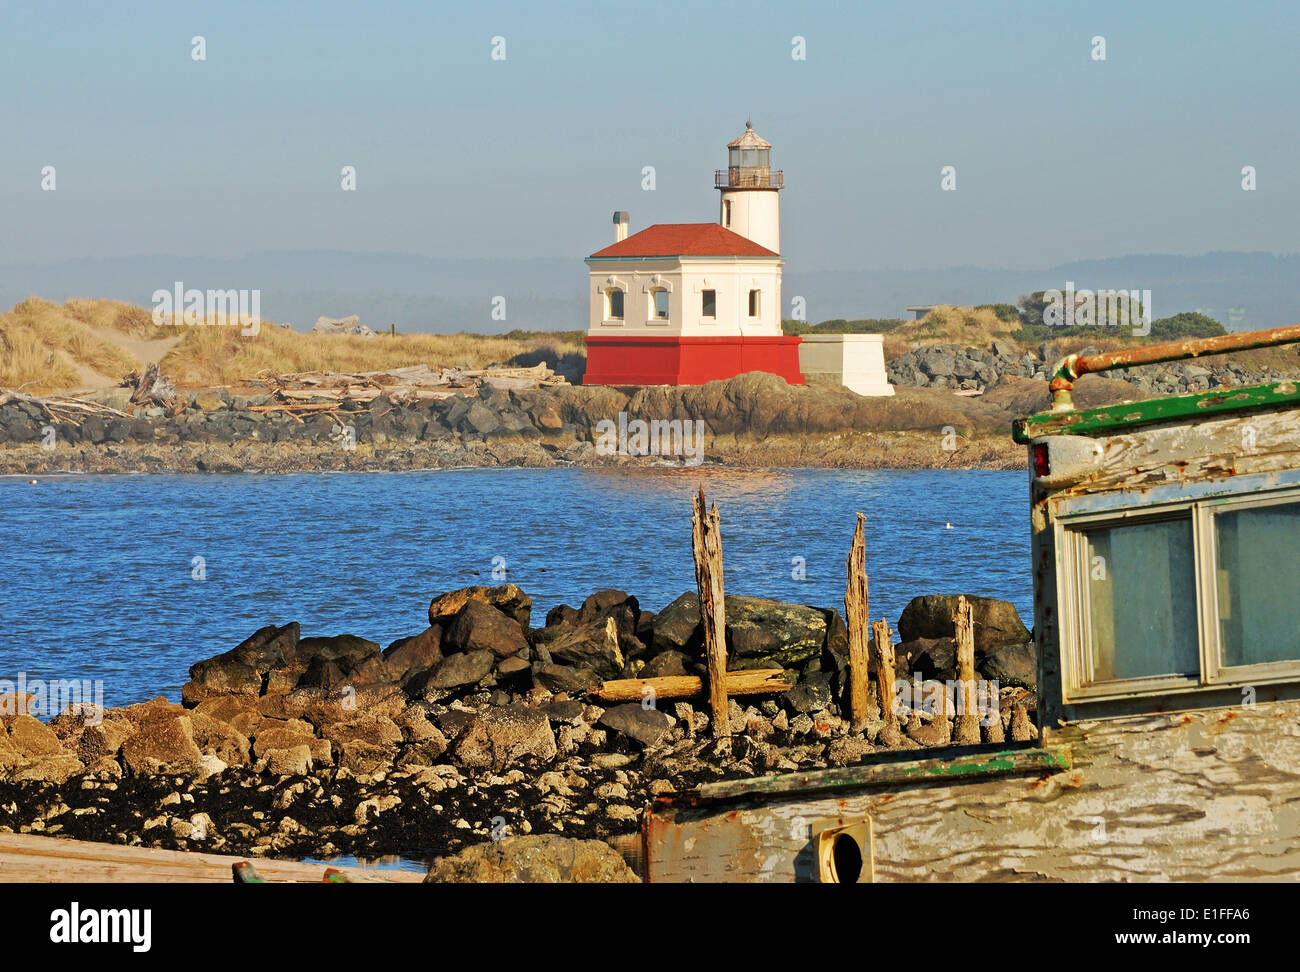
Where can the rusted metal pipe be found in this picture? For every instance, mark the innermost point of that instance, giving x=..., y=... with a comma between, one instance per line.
x=1073, y=366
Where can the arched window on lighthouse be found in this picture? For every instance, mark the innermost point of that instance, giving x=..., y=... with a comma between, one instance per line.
x=755, y=303
x=613, y=304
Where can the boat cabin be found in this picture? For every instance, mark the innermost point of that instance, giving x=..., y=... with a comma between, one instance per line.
x=1167, y=628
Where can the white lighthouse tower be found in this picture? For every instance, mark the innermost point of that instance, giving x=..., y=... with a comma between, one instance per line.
x=749, y=190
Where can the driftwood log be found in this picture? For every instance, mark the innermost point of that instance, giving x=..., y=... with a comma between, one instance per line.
x=754, y=681
x=152, y=388
x=294, y=392
x=59, y=408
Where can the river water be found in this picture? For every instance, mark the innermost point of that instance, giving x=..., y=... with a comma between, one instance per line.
x=131, y=579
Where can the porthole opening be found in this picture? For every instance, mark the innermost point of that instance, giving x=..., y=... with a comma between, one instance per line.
x=846, y=860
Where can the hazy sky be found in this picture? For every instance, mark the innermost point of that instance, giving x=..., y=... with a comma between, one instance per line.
x=1058, y=156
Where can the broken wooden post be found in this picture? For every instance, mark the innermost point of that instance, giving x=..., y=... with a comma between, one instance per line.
x=966, y=725
x=706, y=545
x=1022, y=730
x=884, y=654
x=857, y=618
x=991, y=721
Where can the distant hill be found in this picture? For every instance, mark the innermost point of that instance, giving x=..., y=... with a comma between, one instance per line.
x=424, y=294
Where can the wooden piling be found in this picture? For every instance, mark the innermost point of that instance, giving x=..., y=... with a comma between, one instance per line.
x=966, y=724
x=884, y=654
x=858, y=619
x=706, y=537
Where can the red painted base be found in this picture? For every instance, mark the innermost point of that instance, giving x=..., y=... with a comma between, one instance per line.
x=653, y=360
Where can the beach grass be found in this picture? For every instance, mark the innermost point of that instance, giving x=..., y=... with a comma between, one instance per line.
x=83, y=344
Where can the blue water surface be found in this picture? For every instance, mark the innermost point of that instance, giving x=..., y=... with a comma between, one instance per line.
x=100, y=569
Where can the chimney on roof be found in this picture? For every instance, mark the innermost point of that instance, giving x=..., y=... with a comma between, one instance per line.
x=620, y=226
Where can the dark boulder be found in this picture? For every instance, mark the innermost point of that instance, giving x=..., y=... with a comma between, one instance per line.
x=243, y=669
x=1010, y=665
x=837, y=640
x=590, y=646
x=561, y=614
x=761, y=633
x=565, y=678
x=678, y=626
x=619, y=605
x=461, y=669
x=930, y=616
x=645, y=726
x=671, y=662
x=927, y=657
x=478, y=626
x=811, y=694
x=507, y=598
x=410, y=656
x=337, y=661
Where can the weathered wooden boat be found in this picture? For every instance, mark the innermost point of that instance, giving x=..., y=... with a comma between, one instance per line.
x=1167, y=628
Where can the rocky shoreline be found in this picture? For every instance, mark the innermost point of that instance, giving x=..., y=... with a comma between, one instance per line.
x=754, y=420
x=478, y=728
x=966, y=368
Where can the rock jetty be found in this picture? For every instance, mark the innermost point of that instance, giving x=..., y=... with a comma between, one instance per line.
x=478, y=727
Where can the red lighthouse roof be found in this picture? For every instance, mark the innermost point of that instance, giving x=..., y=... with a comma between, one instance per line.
x=685, y=239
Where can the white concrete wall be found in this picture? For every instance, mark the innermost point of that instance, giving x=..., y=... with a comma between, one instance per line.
x=635, y=279
x=856, y=361
x=755, y=215
x=686, y=280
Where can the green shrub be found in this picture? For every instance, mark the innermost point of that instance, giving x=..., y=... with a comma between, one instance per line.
x=1004, y=312
x=1188, y=324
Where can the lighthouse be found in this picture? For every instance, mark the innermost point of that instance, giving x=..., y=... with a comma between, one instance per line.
x=687, y=303
x=748, y=203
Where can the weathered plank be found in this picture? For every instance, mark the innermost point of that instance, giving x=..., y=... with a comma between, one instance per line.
x=1126, y=415
x=31, y=858
x=1212, y=795
x=999, y=763
x=1240, y=445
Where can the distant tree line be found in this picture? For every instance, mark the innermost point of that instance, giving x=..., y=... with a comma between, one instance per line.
x=866, y=325
x=1028, y=314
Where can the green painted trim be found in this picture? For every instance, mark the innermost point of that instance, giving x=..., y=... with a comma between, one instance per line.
x=985, y=765
x=1119, y=418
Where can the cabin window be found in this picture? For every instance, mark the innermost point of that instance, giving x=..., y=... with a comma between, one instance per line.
x=1200, y=595
x=710, y=302
x=1257, y=583
x=614, y=305
x=1141, y=578
x=659, y=304
x=753, y=303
